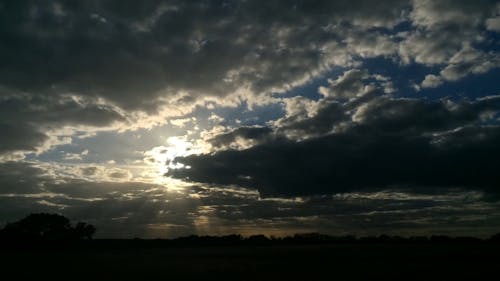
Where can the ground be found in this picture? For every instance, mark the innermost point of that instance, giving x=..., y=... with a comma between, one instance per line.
x=257, y=262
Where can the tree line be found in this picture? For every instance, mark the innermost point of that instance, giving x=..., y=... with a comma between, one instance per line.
x=54, y=227
x=44, y=227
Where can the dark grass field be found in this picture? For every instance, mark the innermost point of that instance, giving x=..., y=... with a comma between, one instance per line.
x=480, y=261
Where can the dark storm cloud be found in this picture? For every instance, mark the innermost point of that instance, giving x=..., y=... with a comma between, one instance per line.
x=128, y=52
x=20, y=137
x=17, y=177
x=414, y=117
x=26, y=120
x=329, y=113
x=137, y=54
x=388, y=142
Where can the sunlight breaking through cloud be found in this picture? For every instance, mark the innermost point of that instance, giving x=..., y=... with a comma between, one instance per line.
x=177, y=117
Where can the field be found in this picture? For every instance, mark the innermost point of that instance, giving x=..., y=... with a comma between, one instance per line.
x=255, y=262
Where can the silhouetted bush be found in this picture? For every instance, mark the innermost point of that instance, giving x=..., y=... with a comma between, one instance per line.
x=495, y=238
x=257, y=239
x=46, y=227
x=83, y=230
x=440, y=239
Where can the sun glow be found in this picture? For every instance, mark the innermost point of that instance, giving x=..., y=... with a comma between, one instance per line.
x=163, y=158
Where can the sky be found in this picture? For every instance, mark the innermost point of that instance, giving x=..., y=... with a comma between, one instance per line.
x=169, y=118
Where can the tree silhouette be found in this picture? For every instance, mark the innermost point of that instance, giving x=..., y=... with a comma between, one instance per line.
x=84, y=230
x=495, y=238
x=45, y=226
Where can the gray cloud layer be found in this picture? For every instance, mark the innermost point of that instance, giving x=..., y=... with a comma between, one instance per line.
x=26, y=120
x=126, y=56
x=74, y=67
x=371, y=141
x=128, y=209
x=127, y=53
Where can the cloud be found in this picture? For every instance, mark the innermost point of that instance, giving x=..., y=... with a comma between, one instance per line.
x=89, y=171
x=20, y=137
x=465, y=62
x=75, y=156
x=182, y=122
x=119, y=174
x=17, y=177
x=351, y=162
x=35, y=123
x=445, y=34
x=131, y=55
x=306, y=118
x=469, y=61
x=241, y=138
x=101, y=65
x=351, y=82
x=493, y=24
x=431, y=81
x=91, y=65
x=135, y=209
x=86, y=74
x=433, y=14
x=370, y=142
x=118, y=209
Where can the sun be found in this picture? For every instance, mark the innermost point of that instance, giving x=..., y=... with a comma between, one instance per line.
x=163, y=158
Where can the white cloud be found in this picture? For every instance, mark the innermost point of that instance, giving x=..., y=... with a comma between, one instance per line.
x=431, y=81
x=182, y=122
x=445, y=31
x=352, y=84
x=465, y=62
x=215, y=118
x=118, y=174
x=346, y=86
x=493, y=24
